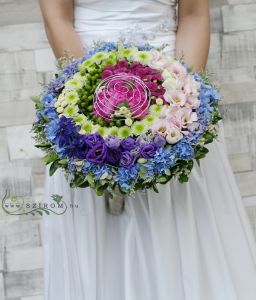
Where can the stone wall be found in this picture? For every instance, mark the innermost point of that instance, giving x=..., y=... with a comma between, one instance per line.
x=25, y=62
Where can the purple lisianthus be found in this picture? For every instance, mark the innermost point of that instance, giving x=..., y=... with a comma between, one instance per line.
x=129, y=143
x=127, y=159
x=148, y=150
x=160, y=140
x=77, y=148
x=94, y=139
x=97, y=154
x=113, y=156
x=113, y=142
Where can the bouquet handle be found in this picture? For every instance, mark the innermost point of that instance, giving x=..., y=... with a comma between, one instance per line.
x=114, y=204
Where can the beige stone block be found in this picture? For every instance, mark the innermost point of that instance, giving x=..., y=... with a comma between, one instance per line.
x=2, y=294
x=16, y=112
x=23, y=37
x=246, y=183
x=24, y=283
x=45, y=60
x=237, y=144
x=23, y=80
x=15, y=177
x=16, y=12
x=17, y=62
x=241, y=162
x=24, y=259
x=239, y=49
x=21, y=148
x=237, y=75
x=238, y=92
x=239, y=17
x=4, y=155
x=21, y=234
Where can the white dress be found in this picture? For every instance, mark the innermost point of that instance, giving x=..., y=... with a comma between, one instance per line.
x=191, y=241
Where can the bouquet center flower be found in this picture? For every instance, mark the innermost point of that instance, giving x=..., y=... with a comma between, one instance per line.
x=121, y=95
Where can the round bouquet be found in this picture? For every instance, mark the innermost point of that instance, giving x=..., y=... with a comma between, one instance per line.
x=125, y=118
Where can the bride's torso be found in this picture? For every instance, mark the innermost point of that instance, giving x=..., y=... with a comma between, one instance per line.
x=152, y=21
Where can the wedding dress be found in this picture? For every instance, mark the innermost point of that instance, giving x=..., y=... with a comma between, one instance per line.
x=191, y=241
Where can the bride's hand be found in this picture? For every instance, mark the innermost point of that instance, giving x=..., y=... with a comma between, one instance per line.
x=59, y=28
x=193, y=35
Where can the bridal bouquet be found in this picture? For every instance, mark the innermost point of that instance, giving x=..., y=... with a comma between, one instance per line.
x=125, y=118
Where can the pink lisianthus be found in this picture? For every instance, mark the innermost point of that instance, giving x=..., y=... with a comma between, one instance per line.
x=176, y=97
x=178, y=69
x=187, y=117
x=193, y=102
x=160, y=126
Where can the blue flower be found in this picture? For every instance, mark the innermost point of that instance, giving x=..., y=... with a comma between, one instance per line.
x=208, y=94
x=48, y=100
x=127, y=177
x=50, y=113
x=52, y=130
x=57, y=84
x=184, y=150
x=164, y=160
x=150, y=169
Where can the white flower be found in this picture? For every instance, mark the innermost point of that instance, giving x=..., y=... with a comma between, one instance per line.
x=173, y=135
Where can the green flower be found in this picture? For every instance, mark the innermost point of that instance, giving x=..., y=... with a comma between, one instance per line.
x=80, y=119
x=156, y=109
x=103, y=131
x=128, y=53
x=138, y=128
x=74, y=84
x=99, y=57
x=124, y=132
x=71, y=111
x=143, y=57
x=87, y=127
x=71, y=97
x=113, y=131
x=149, y=119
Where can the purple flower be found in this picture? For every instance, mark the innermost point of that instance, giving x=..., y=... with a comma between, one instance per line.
x=97, y=154
x=94, y=139
x=129, y=143
x=149, y=150
x=113, y=156
x=113, y=142
x=127, y=159
x=159, y=140
x=77, y=148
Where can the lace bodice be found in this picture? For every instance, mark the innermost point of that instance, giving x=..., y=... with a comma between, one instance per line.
x=140, y=21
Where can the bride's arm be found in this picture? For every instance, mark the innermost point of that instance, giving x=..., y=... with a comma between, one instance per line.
x=193, y=35
x=58, y=20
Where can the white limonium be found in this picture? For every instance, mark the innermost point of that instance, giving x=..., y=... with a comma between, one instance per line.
x=173, y=136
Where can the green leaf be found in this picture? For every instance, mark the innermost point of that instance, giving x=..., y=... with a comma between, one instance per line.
x=46, y=145
x=50, y=157
x=63, y=162
x=53, y=168
x=154, y=187
x=198, y=162
x=44, y=118
x=183, y=178
x=35, y=99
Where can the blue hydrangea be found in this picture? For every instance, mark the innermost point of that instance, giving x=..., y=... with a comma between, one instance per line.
x=150, y=169
x=71, y=166
x=50, y=113
x=127, y=177
x=184, y=150
x=48, y=99
x=208, y=94
x=164, y=160
x=52, y=130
